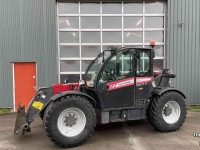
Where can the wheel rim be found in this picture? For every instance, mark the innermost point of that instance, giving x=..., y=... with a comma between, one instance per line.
x=71, y=122
x=171, y=112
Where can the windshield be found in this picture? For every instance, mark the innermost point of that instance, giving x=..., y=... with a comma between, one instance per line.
x=92, y=71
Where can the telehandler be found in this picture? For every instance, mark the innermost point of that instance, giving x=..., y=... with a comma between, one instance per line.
x=119, y=85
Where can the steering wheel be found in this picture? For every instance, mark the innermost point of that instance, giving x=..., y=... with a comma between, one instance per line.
x=109, y=76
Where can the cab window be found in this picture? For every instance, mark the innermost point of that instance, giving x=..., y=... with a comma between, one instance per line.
x=118, y=67
x=143, y=63
x=121, y=66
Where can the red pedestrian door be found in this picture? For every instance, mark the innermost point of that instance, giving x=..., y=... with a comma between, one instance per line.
x=24, y=83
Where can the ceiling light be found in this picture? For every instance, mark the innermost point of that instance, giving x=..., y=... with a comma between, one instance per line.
x=74, y=34
x=153, y=3
x=128, y=34
x=139, y=22
x=67, y=22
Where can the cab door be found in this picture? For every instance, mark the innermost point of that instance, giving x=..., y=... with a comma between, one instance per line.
x=115, y=83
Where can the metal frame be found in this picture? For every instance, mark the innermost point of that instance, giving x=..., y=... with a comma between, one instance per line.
x=13, y=86
x=58, y=38
x=164, y=47
x=107, y=15
x=101, y=44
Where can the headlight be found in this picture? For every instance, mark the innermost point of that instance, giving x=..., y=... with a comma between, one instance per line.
x=81, y=82
x=40, y=95
x=90, y=83
x=153, y=83
x=170, y=83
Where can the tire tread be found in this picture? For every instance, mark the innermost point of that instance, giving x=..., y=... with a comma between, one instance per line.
x=153, y=115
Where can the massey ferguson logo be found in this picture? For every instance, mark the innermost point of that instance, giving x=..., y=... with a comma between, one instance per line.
x=125, y=83
x=122, y=84
x=140, y=81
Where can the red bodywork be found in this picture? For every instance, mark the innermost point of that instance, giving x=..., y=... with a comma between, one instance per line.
x=64, y=87
x=112, y=85
x=157, y=73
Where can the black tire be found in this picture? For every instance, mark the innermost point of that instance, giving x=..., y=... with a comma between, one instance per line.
x=53, y=112
x=155, y=110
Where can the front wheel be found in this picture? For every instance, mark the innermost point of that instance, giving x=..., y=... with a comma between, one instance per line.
x=69, y=121
x=167, y=112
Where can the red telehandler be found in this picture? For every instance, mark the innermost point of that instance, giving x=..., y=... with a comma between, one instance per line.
x=119, y=85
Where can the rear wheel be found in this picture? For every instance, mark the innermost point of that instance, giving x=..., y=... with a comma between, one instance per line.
x=69, y=121
x=167, y=112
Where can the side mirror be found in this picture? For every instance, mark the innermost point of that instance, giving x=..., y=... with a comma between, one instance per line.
x=113, y=52
x=108, y=53
x=126, y=52
x=66, y=80
x=112, y=72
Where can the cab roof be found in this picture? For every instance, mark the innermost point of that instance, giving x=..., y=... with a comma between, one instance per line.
x=115, y=48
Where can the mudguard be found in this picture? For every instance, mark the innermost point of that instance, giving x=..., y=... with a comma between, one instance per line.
x=160, y=91
x=59, y=95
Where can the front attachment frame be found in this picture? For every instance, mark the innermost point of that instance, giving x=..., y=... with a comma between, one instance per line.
x=38, y=103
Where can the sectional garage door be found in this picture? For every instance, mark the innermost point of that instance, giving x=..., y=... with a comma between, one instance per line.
x=86, y=29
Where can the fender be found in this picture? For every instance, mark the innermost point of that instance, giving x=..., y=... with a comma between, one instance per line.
x=160, y=91
x=59, y=95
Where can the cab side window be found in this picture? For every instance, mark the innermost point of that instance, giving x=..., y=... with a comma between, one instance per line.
x=118, y=67
x=143, y=63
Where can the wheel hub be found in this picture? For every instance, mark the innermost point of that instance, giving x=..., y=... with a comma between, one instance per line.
x=167, y=111
x=171, y=112
x=70, y=120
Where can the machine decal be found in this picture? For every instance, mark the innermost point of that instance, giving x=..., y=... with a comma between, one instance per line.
x=128, y=82
x=37, y=105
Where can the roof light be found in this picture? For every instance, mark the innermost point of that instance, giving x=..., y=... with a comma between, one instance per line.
x=152, y=44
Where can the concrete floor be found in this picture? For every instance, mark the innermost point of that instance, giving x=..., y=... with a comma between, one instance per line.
x=135, y=135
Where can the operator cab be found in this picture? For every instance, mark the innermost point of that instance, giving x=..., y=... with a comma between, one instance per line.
x=116, y=64
x=110, y=78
